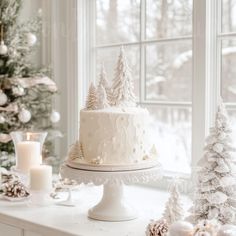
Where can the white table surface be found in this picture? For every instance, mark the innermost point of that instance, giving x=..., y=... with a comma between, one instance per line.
x=61, y=220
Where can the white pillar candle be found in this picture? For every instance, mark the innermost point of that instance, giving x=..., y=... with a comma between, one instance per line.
x=28, y=155
x=41, y=178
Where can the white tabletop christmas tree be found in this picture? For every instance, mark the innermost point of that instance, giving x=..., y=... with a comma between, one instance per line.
x=102, y=97
x=123, y=88
x=215, y=195
x=173, y=209
x=92, y=98
x=104, y=82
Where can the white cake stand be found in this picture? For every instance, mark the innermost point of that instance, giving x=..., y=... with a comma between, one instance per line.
x=113, y=206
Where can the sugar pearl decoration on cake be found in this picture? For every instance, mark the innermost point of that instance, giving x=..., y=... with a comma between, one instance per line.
x=15, y=189
x=3, y=98
x=97, y=161
x=157, y=228
x=24, y=115
x=227, y=230
x=181, y=228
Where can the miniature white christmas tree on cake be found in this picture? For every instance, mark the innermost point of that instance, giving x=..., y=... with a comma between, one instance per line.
x=76, y=151
x=173, y=209
x=104, y=82
x=215, y=196
x=92, y=99
x=123, y=88
x=102, y=97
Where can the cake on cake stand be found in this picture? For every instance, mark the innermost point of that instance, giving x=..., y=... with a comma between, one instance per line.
x=113, y=206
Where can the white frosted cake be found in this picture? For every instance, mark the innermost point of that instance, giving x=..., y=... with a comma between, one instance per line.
x=113, y=131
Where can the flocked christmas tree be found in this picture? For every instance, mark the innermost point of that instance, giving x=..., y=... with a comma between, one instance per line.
x=123, y=87
x=104, y=82
x=102, y=97
x=92, y=98
x=173, y=208
x=76, y=151
x=215, y=196
x=25, y=90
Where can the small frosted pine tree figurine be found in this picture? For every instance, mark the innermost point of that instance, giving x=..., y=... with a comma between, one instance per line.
x=104, y=82
x=123, y=88
x=102, y=97
x=215, y=196
x=76, y=151
x=92, y=99
x=173, y=209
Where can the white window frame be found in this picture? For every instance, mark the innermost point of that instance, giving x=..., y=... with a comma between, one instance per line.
x=206, y=65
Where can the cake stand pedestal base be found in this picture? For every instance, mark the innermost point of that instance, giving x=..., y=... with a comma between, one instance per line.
x=113, y=205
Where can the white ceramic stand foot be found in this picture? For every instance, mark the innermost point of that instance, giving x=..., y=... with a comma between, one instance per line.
x=112, y=206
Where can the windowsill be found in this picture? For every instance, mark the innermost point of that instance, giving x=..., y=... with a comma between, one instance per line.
x=73, y=220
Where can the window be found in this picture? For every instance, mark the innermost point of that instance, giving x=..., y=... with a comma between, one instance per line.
x=157, y=36
x=227, y=44
x=180, y=66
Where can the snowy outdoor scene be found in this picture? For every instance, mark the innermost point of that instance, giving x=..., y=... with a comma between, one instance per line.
x=163, y=71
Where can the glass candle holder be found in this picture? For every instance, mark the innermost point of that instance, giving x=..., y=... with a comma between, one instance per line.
x=28, y=149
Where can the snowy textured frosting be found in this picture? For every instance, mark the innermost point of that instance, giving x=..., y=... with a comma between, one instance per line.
x=115, y=135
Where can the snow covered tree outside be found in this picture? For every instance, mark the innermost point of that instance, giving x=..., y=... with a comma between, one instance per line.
x=26, y=90
x=215, y=196
x=123, y=88
x=92, y=98
x=173, y=208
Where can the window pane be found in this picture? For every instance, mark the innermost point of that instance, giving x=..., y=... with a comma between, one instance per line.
x=166, y=19
x=228, y=77
x=228, y=15
x=169, y=72
x=172, y=133
x=117, y=21
x=109, y=57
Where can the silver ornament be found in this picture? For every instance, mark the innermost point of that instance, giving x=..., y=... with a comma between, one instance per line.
x=3, y=98
x=227, y=230
x=180, y=228
x=55, y=117
x=3, y=48
x=2, y=119
x=31, y=39
x=24, y=116
x=18, y=91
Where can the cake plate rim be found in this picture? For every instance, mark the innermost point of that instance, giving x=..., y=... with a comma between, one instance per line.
x=113, y=167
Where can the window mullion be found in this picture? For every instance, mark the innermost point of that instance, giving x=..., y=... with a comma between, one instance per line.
x=199, y=80
x=142, y=85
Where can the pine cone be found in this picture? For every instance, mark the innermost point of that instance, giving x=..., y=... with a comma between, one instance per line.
x=157, y=228
x=8, y=178
x=15, y=189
